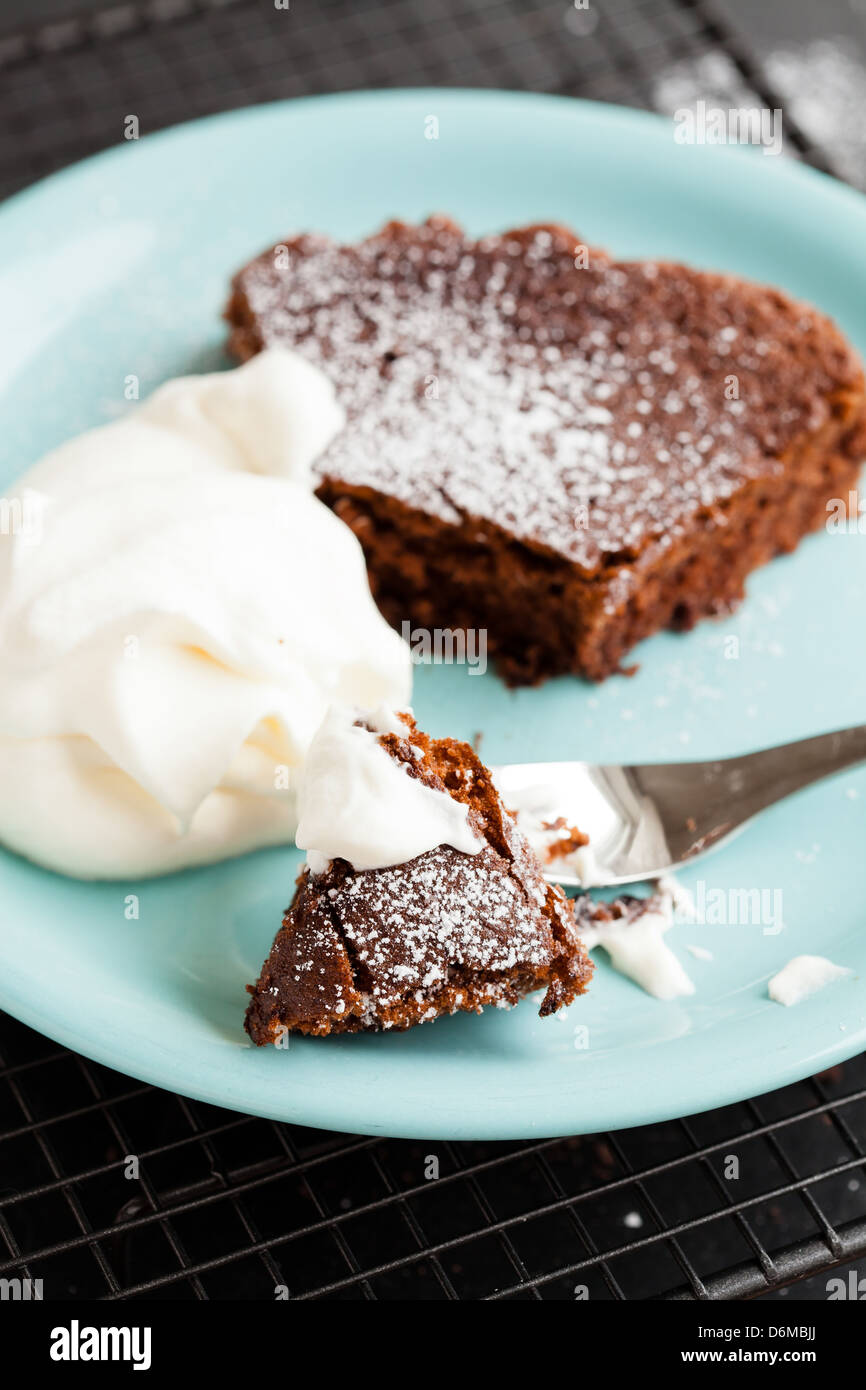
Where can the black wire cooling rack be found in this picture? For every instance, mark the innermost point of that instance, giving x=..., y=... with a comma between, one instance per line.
x=111, y=1189
x=728, y=1204
x=67, y=86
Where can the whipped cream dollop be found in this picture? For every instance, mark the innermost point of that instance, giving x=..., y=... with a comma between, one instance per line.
x=802, y=976
x=176, y=616
x=357, y=802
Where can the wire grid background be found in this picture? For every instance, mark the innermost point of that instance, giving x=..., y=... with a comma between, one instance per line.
x=229, y=1207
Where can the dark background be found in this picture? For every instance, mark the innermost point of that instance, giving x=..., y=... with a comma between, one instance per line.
x=68, y=72
x=228, y=1206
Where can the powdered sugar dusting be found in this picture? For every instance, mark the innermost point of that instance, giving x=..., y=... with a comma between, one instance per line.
x=408, y=925
x=395, y=946
x=587, y=409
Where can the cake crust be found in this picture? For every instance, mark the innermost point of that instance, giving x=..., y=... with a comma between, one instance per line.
x=564, y=450
x=389, y=948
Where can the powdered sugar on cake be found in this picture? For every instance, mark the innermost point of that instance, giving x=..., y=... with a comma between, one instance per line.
x=588, y=410
x=410, y=925
x=397, y=945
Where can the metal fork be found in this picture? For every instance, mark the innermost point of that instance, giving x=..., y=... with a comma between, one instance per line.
x=650, y=819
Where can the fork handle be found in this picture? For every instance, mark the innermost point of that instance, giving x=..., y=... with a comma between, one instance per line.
x=721, y=796
x=770, y=776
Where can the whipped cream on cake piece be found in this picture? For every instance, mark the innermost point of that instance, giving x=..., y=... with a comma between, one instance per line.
x=355, y=802
x=445, y=930
x=174, y=633
x=803, y=976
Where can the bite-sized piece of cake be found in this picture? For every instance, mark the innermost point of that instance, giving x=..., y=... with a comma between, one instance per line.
x=436, y=903
x=567, y=451
x=567, y=840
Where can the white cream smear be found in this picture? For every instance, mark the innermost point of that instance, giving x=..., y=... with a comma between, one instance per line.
x=545, y=835
x=802, y=976
x=700, y=952
x=175, y=620
x=356, y=802
x=638, y=949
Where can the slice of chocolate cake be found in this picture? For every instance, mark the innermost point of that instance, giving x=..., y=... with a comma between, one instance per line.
x=403, y=940
x=564, y=450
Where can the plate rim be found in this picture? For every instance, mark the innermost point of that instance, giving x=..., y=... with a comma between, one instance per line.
x=786, y=166
x=318, y=1115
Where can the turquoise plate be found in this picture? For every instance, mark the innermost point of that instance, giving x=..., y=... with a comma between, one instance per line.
x=120, y=266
